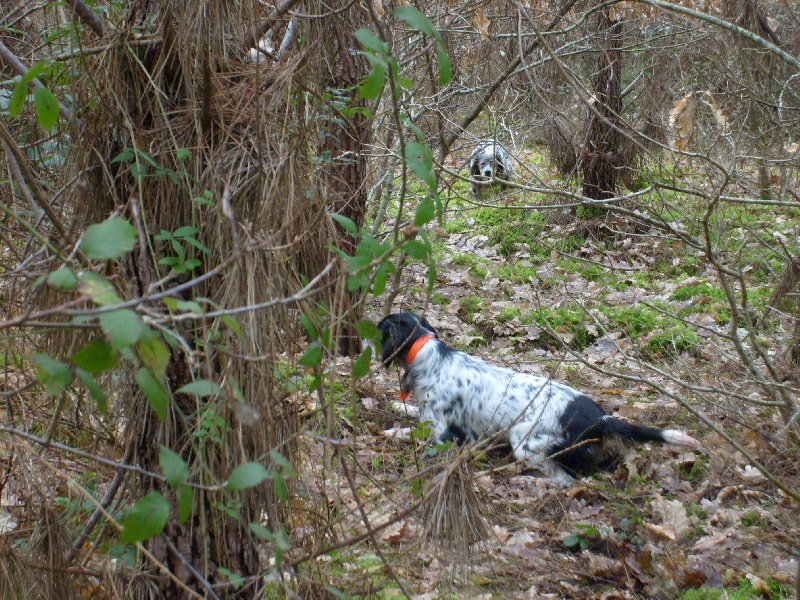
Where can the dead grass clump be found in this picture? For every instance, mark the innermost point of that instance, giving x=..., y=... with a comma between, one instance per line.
x=563, y=144
x=453, y=518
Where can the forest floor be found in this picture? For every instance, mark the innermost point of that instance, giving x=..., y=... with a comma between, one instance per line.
x=628, y=316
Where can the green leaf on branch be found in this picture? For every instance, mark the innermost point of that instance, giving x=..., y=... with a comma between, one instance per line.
x=420, y=160
x=46, y=107
x=19, y=97
x=54, y=374
x=124, y=327
x=312, y=356
x=416, y=20
x=202, y=388
x=185, y=497
x=381, y=277
x=95, y=391
x=416, y=249
x=113, y=238
x=155, y=393
x=370, y=41
x=425, y=212
x=95, y=357
x=366, y=329
x=445, y=66
x=147, y=519
x=346, y=223
x=153, y=353
x=173, y=466
x=247, y=475
x=372, y=86
x=98, y=288
x=361, y=364
x=62, y=279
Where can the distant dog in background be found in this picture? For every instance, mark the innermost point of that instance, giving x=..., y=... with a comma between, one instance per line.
x=489, y=160
x=549, y=425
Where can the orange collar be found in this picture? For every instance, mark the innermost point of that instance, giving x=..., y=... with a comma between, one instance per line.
x=417, y=346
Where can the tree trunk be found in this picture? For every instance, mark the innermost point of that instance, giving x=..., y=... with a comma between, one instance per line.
x=344, y=136
x=602, y=152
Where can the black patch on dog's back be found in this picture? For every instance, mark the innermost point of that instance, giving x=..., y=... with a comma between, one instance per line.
x=456, y=434
x=581, y=421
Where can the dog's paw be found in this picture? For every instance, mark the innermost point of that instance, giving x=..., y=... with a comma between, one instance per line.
x=397, y=433
x=406, y=409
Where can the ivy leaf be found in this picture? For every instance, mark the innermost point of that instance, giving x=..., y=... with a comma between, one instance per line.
x=54, y=374
x=113, y=238
x=173, y=466
x=46, y=107
x=147, y=519
x=95, y=357
x=155, y=393
x=247, y=475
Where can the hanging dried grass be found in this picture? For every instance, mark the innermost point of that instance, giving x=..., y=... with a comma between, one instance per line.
x=453, y=518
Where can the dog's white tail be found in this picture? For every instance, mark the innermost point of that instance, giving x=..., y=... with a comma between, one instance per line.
x=678, y=438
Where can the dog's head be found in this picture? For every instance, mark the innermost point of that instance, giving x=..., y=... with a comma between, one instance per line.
x=399, y=332
x=489, y=160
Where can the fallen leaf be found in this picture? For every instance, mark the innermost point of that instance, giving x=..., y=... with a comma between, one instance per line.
x=759, y=585
x=665, y=531
x=482, y=23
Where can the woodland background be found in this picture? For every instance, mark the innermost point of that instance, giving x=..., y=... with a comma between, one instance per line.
x=206, y=206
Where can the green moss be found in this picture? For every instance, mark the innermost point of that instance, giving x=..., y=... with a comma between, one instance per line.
x=698, y=289
x=516, y=273
x=439, y=299
x=588, y=271
x=677, y=339
x=508, y=313
x=465, y=260
x=510, y=228
x=753, y=518
x=469, y=306
x=745, y=591
x=633, y=320
x=570, y=319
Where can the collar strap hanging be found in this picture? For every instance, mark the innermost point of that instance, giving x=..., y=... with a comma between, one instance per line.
x=417, y=346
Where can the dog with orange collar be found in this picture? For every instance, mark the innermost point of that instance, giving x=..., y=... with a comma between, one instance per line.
x=550, y=426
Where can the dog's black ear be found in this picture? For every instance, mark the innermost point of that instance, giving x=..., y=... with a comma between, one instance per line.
x=424, y=322
x=389, y=339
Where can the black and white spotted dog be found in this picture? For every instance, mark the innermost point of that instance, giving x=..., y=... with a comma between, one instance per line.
x=549, y=425
x=489, y=160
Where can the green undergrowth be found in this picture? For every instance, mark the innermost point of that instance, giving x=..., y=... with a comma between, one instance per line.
x=661, y=336
x=744, y=591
